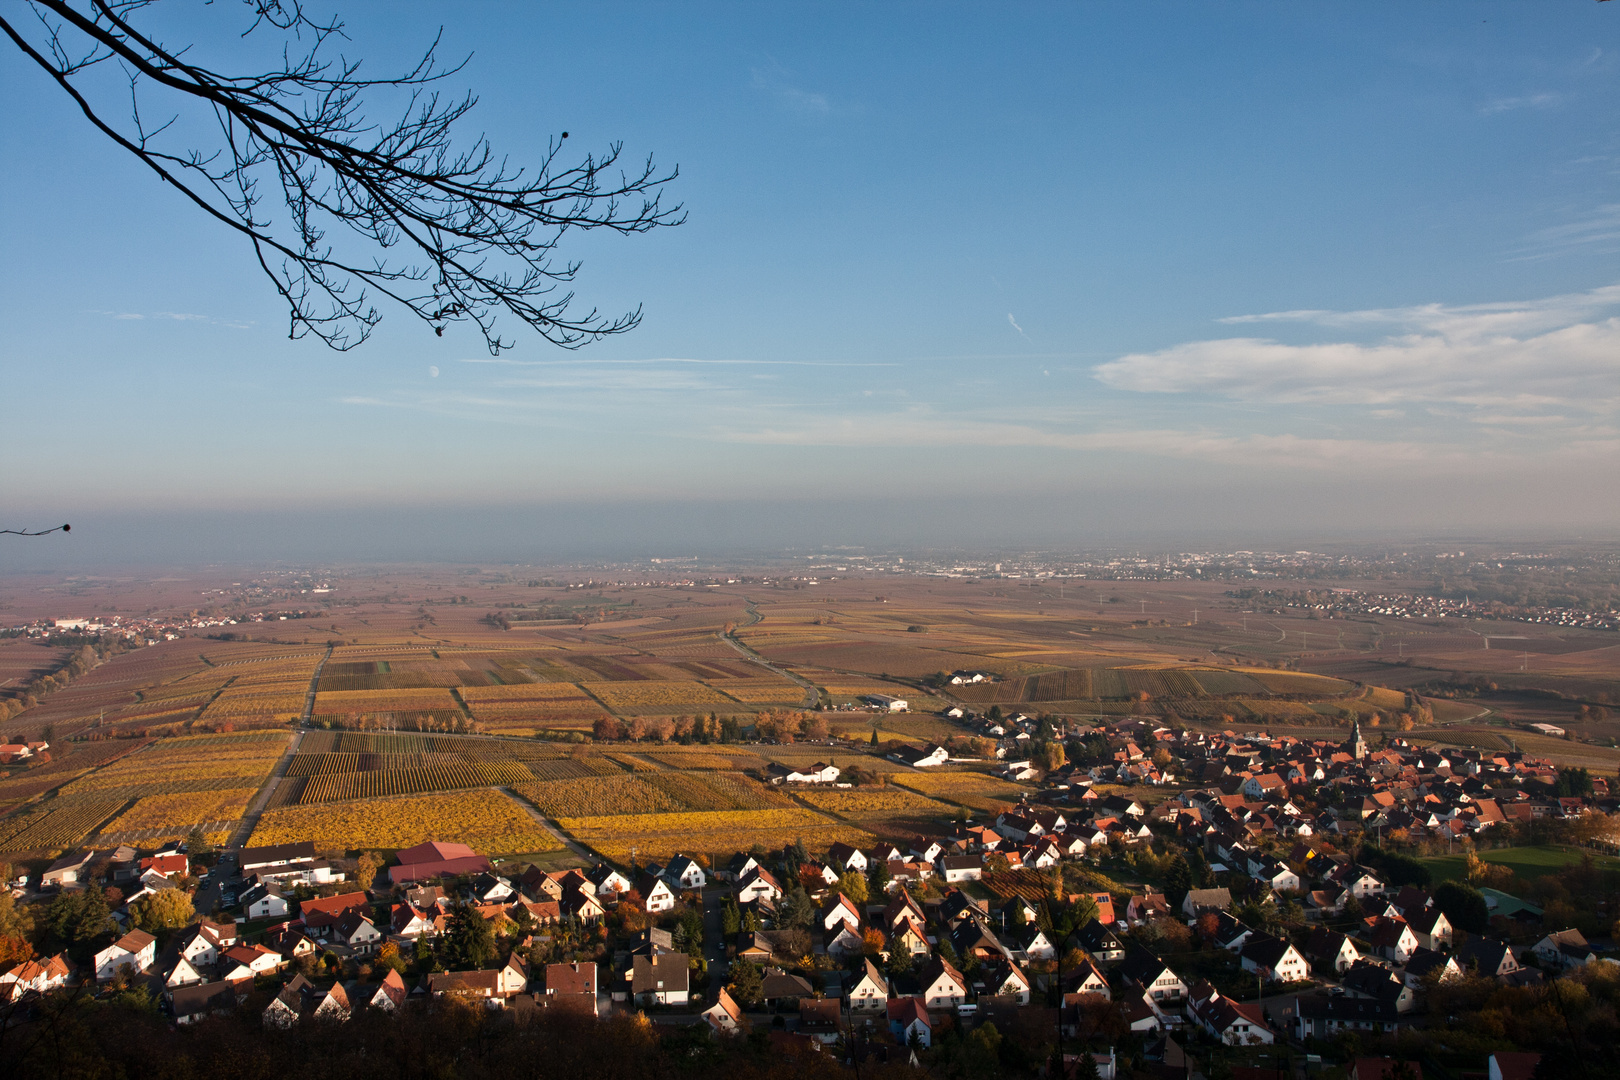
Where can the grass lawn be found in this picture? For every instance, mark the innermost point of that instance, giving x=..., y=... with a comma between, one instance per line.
x=1527, y=862
x=545, y=860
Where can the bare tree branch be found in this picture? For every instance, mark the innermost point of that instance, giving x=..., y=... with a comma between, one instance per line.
x=453, y=235
x=42, y=532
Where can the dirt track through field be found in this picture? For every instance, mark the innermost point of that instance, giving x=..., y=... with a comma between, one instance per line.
x=812, y=696
x=250, y=819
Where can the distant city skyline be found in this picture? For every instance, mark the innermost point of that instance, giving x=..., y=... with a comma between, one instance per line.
x=1006, y=275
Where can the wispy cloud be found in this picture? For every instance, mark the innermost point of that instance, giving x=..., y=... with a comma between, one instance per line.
x=1527, y=101
x=778, y=82
x=173, y=316
x=680, y=360
x=1562, y=351
x=1014, y=324
x=1600, y=228
x=923, y=428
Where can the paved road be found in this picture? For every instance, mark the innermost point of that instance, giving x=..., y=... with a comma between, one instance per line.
x=250, y=820
x=812, y=696
x=546, y=824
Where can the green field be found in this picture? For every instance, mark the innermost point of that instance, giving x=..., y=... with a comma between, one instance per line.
x=1527, y=862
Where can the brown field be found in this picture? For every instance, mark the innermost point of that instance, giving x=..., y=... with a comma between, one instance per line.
x=413, y=654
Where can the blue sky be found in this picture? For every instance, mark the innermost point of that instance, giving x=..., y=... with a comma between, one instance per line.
x=1104, y=266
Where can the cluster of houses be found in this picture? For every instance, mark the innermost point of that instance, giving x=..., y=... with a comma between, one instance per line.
x=911, y=966
x=1427, y=792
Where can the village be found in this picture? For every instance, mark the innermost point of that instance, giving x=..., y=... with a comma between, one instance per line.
x=1229, y=898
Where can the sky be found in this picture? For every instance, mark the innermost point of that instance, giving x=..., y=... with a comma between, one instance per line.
x=1010, y=274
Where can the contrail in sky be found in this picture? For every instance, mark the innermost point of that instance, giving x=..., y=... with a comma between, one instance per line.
x=1014, y=323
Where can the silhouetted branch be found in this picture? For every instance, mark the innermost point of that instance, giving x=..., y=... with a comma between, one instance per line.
x=463, y=234
x=42, y=532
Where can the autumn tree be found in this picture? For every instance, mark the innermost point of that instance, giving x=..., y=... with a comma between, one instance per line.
x=1052, y=756
x=853, y=885
x=14, y=949
x=366, y=867
x=166, y=909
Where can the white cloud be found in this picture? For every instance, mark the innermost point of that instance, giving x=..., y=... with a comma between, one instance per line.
x=777, y=81
x=1528, y=101
x=1600, y=227
x=1556, y=352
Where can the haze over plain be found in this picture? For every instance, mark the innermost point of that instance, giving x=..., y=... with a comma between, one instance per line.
x=992, y=276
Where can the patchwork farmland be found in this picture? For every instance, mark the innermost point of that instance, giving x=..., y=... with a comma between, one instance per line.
x=604, y=709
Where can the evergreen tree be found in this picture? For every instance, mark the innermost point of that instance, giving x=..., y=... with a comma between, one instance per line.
x=747, y=981
x=469, y=942
x=1177, y=881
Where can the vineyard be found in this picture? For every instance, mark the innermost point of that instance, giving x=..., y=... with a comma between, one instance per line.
x=973, y=790
x=422, y=700
x=58, y=824
x=67, y=765
x=866, y=802
x=180, y=811
x=248, y=758
x=718, y=791
x=279, y=701
x=757, y=691
x=652, y=695
x=487, y=821
x=1301, y=684
x=1032, y=885
x=659, y=836
x=438, y=777
x=598, y=796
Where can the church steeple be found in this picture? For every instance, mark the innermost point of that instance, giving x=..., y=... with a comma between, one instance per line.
x=1357, y=746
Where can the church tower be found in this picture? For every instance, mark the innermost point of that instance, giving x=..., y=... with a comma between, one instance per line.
x=1357, y=746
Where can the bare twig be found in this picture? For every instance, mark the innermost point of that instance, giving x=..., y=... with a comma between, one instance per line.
x=41, y=532
x=455, y=235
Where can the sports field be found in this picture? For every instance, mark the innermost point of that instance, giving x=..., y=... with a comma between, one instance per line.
x=1526, y=862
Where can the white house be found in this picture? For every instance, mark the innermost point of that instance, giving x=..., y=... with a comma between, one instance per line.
x=685, y=874
x=1007, y=980
x=1564, y=949
x=135, y=950
x=182, y=974
x=264, y=902
x=664, y=979
x=758, y=883
x=1275, y=958
x=921, y=758
x=943, y=987
x=725, y=1016
x=870, y=993
x=608, y=881
x=656, y=894
x=1232, y=1022
x=199, y=947
x=847, y=856
x=819, y=773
